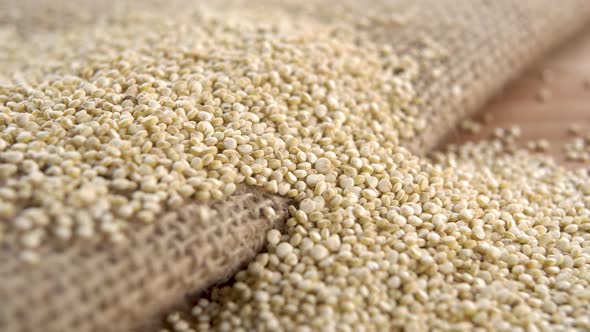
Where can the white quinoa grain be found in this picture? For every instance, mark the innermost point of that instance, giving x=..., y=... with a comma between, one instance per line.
x=283, y=249
x=323, y=165
x=273, y=236
x=319, y=252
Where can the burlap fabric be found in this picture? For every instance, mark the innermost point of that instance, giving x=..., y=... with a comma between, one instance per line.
x=100, y=287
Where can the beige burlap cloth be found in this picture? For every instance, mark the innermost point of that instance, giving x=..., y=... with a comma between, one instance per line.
x=101, y=287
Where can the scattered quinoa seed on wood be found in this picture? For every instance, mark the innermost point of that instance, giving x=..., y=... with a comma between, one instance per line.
x=544, y=94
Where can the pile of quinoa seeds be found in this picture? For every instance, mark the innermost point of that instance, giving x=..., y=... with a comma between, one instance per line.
x=124, y=121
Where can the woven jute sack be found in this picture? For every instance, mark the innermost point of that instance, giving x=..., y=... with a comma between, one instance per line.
x=98, y=286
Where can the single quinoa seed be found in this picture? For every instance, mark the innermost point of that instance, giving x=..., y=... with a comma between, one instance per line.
x=544, y=94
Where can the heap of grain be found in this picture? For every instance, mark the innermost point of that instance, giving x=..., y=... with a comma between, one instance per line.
x=121, y=125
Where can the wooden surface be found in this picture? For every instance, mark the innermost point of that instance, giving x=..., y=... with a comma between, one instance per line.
x=566, y=71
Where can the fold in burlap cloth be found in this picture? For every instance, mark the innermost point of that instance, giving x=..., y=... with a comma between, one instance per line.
x=100, y=287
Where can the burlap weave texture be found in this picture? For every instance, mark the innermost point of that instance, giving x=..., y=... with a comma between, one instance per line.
x=100, y=287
